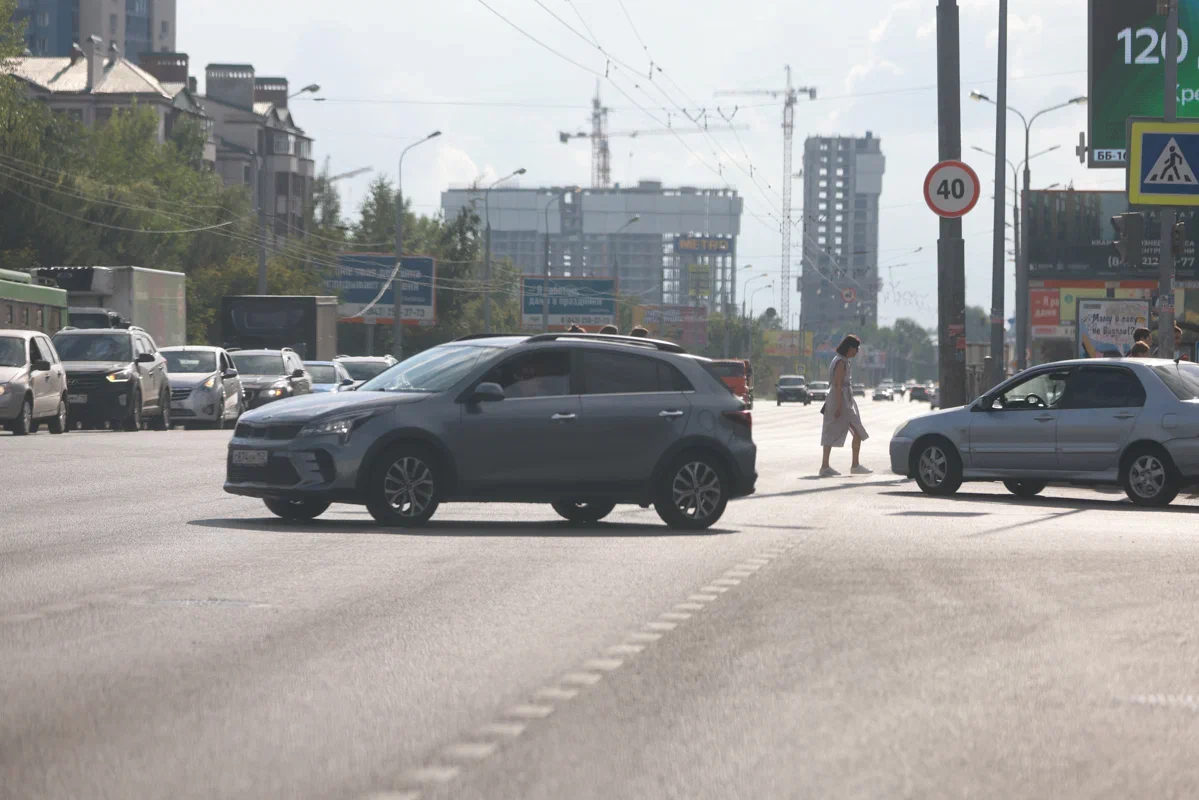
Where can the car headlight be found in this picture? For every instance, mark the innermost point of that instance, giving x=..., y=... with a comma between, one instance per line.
x=3, y=389
x=120, y=376
x=208, y=384
x=341, y=426
x=278, y=389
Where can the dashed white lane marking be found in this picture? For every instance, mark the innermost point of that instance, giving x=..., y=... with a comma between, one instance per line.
x=61, y=608
x=474, y=751
x=21, y=617
x=484, y=742
x=529, y=711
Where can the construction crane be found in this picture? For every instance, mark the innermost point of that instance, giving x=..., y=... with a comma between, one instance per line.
x=601, y=164
x=351, y=174
x=789, y=95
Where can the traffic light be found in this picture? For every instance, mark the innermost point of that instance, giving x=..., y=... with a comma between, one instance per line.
x=1178, y=239
x=1130, y=231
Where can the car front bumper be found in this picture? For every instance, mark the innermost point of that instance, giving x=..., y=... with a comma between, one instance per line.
x=198, y=403
x=901, y=453
x=100, y=404
x=793, y=397
x=314, y=466
x=11, y=401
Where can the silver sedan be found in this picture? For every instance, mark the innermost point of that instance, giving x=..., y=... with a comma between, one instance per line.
x=1131, y=422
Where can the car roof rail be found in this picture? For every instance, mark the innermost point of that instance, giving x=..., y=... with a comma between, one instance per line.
x=637, y=341
x=232, y=349
x=67, y=328
x=470, y=336
x=138, y=328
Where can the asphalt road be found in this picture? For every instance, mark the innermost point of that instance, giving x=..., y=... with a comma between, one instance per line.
x=842, y=637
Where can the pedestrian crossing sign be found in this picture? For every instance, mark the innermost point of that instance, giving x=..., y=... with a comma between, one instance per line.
x=1163, y=163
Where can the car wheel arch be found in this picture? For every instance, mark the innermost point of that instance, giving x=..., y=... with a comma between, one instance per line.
x=1132, y=448
x=698, y=444
x=445, y=459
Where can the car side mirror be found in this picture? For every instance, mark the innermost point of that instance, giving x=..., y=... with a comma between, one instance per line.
x=145, y=358
x=297, y=373
x=487, y=393
x=347, y=381
x=229, y=373
x=41, y=365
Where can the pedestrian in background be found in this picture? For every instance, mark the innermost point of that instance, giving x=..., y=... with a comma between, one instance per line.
x=610, y=330
x=639, y=331
x=841, y=415
x=1139, y=350
x=576, y=329
x=1143, y=335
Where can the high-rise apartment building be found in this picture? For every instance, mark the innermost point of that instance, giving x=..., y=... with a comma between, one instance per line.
x=839, y=287
x=134, y=26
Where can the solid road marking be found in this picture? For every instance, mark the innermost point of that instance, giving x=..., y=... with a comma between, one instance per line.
x=568, y=687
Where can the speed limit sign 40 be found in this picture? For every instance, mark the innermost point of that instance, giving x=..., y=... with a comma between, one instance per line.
x=951, y=189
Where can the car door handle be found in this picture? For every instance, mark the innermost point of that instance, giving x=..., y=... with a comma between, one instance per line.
x=1125, y=415
x=671, y=413
x=1045, y=418
x=563, y=417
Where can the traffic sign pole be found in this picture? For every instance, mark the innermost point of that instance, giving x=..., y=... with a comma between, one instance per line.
x=1165, y=277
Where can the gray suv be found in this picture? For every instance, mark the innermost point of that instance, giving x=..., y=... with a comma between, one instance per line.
x=580, y=421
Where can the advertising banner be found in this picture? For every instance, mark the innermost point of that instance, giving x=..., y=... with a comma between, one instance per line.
x=590, y=302
x=1070, y=237
x=873, y=359
x=784, y=344
x=1070, y=298
x=699, y=280
x=359, y=276
x=1045, y=306
x=1126, y=70
x=686, y=325
x=808, y=339
x=1105, y=326
x=703, y=245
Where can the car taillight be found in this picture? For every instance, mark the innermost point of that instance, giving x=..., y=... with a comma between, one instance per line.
x=741, y=417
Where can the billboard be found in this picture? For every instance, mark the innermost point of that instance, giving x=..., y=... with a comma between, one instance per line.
x=1105, y=326
x=1126, y=70
x=1070, y=236
x=782, y=343
x=1045, y=306
x=699, y=280
x=359, y=276
x=590, y=302
x=687, y=325
x=703, y=245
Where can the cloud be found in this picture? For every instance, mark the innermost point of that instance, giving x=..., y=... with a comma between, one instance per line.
x=1016, y=27
x=455, y=168
x=860, y=71
x=927, y=29
x=879, y=31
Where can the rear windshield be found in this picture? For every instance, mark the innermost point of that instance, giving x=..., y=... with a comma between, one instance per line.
x=727, y=369
x=1181, y=378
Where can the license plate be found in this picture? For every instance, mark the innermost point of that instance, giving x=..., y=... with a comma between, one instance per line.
x=250, y=458
x=77, y=398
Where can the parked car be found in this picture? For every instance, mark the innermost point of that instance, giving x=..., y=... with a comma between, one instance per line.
x=363, y=368
x=580, y=422
x=33, y=383
x=270, y=375
x=329, y=376
x=1131, y=423
x=205, y=385
x=792, y=389
x=818, y=390
x=883, y=393
x=738, y=376
x=115, y=376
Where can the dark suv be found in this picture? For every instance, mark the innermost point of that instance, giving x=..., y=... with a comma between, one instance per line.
x=792, y=389
x=115, y=376
x=270, y=375
x=580, y=421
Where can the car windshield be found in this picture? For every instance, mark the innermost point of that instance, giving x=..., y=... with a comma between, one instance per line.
x=434, y=370
x=364, y=370
x=179, y=361
x=12, y=352
x=91, y=347
x=1181, y=378
x=322, y=373
x=261, y=364
x=820, y=385
x=791, y=381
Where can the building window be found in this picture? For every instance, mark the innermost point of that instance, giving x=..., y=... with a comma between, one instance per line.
x=112, y=24
x=245, y=175
x=166, y=28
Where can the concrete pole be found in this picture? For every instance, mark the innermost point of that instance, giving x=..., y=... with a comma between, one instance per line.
x=951, y=250
x=1165, y=275
x=999, y=260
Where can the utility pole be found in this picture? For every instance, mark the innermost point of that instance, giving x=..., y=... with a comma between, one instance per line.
x=951, y=250
x=397, y=277
x=1165, y=276
x=999, y=261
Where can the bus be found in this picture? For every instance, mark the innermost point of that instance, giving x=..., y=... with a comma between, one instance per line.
x=24, y=305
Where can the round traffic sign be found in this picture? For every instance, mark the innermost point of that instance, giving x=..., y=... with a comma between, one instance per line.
x=848, y=295
x=951, y=189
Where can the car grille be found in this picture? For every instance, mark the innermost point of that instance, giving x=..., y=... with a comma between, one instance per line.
x=277, y=432
x=182, y=412
x=180, y=394
x=85, y=382
x=277, y=472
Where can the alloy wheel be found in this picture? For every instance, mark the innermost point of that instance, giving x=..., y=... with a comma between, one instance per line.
x=1147, y=476
x=933, y=466
x=696, y=490
x=408, y=486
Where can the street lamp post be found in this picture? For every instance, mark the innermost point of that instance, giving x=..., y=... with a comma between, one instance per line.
x=312, y=87
x=1022, y=259
x=616, y=265
x=397, y=282
x=755, y=294
x=487, y=249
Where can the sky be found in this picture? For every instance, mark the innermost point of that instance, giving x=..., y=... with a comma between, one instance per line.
x=391, y=71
